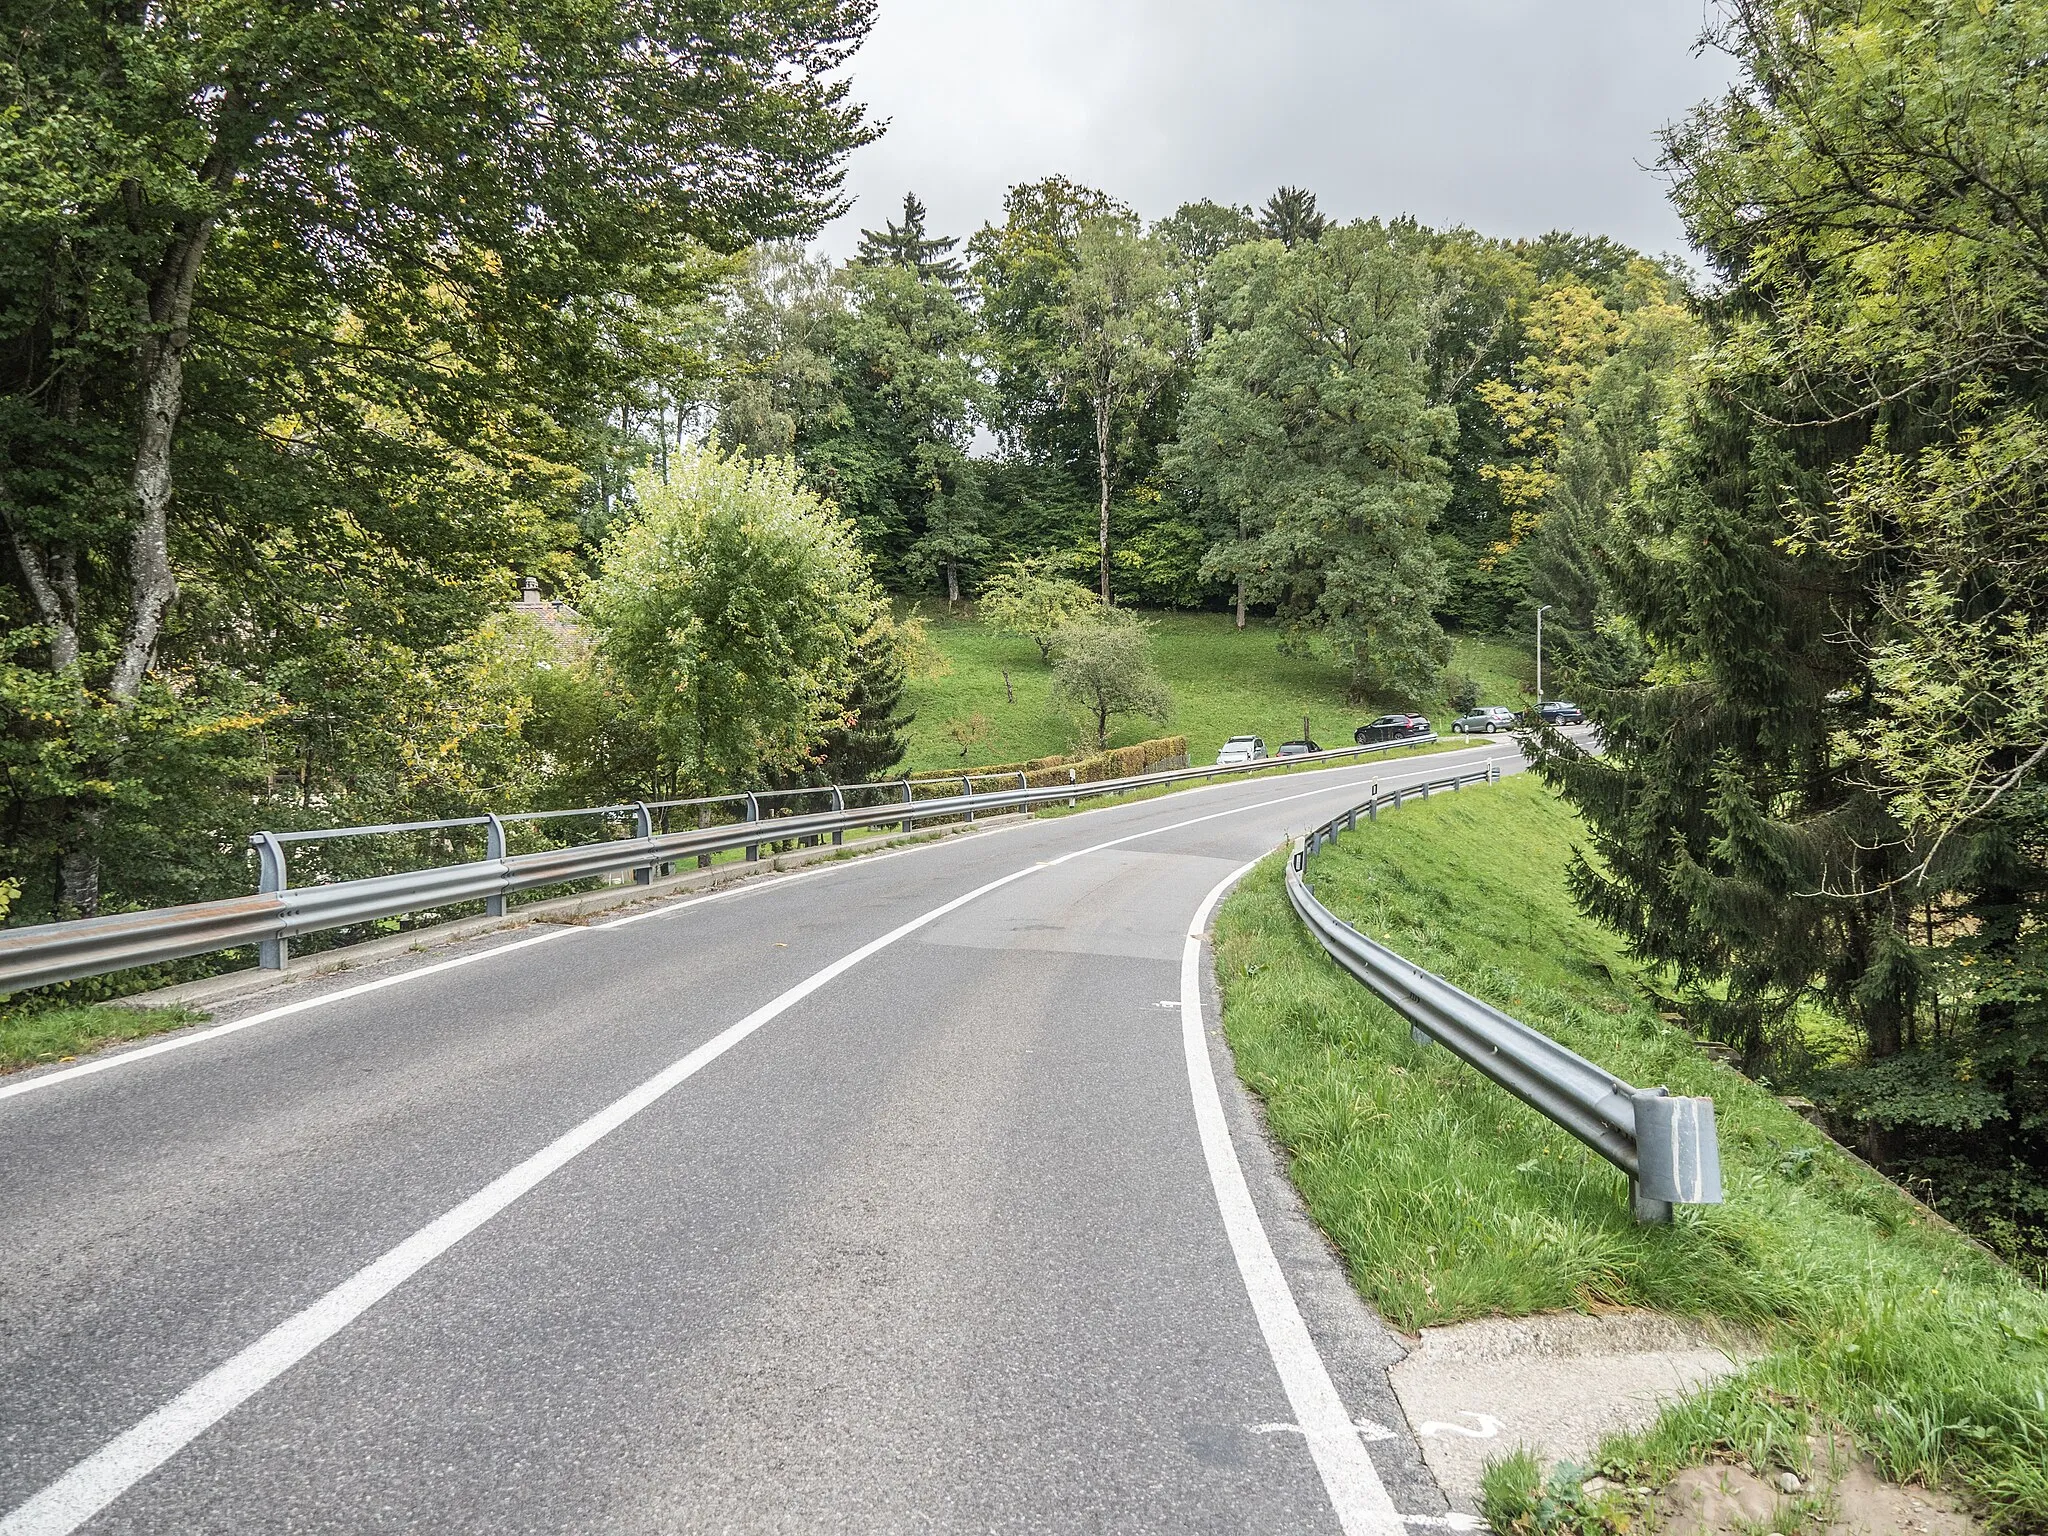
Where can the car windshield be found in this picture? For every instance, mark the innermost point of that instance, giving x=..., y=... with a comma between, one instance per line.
x=1240, y=741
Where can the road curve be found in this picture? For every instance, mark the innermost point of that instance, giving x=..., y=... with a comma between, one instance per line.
x=877, y=1198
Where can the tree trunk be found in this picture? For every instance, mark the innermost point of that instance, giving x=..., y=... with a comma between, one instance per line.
x=1102, y=413
x=1240, y=602
x=151, y=585
x=952, y=583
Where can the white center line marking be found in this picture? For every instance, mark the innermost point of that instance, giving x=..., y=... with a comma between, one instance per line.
x=1356, y=1493
x=102, y=1477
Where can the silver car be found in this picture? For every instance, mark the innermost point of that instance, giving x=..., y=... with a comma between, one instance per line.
x=1487, y=718
x=1241, y=749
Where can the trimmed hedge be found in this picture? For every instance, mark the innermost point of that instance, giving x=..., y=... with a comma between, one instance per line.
x=1117, y=763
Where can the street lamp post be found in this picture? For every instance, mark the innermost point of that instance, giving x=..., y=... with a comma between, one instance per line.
x=1539, y=652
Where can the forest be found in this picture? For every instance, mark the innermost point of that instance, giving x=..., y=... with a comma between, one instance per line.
x=324, y=331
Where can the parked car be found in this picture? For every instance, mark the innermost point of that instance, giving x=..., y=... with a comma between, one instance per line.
x=1391, y=728
x=1488, y=718
x=1561, y=712
x=1297, y=748
x=1241, y=749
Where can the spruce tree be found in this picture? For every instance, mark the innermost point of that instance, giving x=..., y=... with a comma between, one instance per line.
x=1290, y=217
x=907, y=245
x=1826, y=786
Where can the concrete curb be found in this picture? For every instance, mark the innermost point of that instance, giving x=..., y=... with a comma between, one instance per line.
x=561, y=909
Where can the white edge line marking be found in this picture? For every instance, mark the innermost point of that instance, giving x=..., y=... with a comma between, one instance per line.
x=9, y=1090
x=18, y=1086
x=1359, y=1498
x=102, y=1477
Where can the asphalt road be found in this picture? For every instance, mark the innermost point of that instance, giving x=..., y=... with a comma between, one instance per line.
x=876, y=1198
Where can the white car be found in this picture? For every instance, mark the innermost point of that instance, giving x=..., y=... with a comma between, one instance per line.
x=1241, y=749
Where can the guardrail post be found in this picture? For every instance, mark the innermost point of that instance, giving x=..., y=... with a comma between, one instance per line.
x=1419, y=1036
x=1351, y=819
x=703, y=820
x=753, y=814
x=643, y=828
x=967, y=788
x=271, y=954
x=1425, y=789
x=908, y=797
x=494, y=850
x=838, y=804
x=1678, y=1154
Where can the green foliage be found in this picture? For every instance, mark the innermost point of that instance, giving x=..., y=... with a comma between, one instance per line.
x=1026, y=598
x=866, y=375
x=1825, y=787
x=305, y=337
x=732, y=606
x=1102, y=666
x=1290, y=217
x=1310, y=425
x=1449, y=1199
x=907, y=245
x=1117, y=342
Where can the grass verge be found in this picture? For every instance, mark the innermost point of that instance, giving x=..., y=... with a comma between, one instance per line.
x=34, y=1039
x=1451, y=1200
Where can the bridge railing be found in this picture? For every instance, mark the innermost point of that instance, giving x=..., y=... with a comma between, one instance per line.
x=48, y=953
x=1665, y=1144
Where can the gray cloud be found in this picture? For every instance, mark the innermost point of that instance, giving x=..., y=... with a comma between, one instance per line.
x=1509, y=116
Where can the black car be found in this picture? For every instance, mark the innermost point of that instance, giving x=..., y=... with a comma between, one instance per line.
x=1561, y=712
x=1391, y=728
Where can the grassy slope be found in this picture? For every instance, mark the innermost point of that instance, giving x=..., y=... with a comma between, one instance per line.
x=1225, y=683
x=1451, y=1200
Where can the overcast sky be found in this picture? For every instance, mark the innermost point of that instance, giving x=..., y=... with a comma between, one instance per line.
x=1510, y=116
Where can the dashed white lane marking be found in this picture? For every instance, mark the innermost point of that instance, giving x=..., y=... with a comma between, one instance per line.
x=1353, y=1484
x=94, y=1483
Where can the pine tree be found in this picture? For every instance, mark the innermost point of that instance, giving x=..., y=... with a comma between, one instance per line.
x=907, y=245
x=1290, y=217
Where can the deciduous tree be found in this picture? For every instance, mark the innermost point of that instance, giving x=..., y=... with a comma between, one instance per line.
x=1117, y=342
x=1103, y=667
x=734, y=605
x=1310, y=422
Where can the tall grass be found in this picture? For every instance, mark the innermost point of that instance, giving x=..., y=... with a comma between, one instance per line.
x=1450, y=1200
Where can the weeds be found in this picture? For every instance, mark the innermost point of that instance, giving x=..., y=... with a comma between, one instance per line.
x=31, y=1039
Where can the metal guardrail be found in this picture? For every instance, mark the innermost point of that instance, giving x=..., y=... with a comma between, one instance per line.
x=48, y=953
x=1665, y=1144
